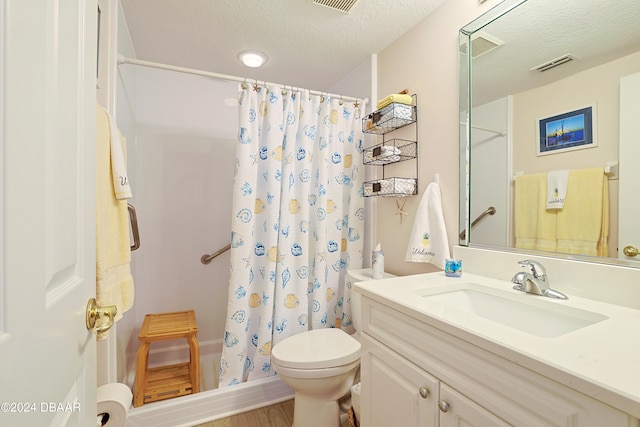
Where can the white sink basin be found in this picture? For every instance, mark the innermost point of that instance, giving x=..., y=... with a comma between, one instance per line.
x=527, y=313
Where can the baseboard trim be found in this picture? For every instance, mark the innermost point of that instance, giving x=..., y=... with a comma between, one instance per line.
x=187, y=411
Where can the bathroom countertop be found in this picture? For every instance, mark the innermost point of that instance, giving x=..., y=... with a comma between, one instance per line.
x=601, y=360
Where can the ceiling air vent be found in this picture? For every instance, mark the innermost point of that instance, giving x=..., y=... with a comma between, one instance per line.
x=554, y=63
x=341, y=5
x=481, y=43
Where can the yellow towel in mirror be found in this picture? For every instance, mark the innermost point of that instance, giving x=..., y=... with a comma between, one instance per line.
x=580, y=227
x=535, y=226
x=583, y=223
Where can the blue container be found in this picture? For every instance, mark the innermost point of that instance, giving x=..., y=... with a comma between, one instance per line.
x=453, y=267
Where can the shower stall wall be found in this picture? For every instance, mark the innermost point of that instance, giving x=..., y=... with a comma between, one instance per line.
x=181, y=165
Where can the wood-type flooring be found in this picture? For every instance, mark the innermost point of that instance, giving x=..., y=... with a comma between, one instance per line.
x=279, y=415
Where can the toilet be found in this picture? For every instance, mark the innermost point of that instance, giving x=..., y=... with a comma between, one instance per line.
x=320, y=365
x=354, y=276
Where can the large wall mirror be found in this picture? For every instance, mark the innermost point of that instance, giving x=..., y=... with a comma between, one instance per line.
x=527, y=69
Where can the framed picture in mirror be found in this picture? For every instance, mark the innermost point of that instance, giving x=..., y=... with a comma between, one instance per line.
x=573, y=130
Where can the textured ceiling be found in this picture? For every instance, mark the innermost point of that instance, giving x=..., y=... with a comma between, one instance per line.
x=308, y=45
x=537, y=31
x=314, y=47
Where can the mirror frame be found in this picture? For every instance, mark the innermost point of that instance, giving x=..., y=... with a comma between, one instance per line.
x=465, y=103
x=465, y=107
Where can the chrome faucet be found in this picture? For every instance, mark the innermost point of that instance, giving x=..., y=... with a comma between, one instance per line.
x=535, y=281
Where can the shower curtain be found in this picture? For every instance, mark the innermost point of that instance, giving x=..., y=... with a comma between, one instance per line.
x=297, y=223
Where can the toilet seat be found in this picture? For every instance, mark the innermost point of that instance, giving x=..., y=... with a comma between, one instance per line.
x=315, y=349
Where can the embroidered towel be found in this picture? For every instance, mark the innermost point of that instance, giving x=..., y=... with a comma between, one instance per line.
x=121, y=186
x=557, y=188
x=428, y=241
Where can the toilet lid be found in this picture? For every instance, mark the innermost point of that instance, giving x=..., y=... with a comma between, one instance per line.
x=318, y=348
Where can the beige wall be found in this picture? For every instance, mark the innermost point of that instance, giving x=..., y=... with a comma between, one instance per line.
x=425, y=61
x=598, y=86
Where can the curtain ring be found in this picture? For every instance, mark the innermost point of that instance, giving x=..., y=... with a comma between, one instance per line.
x=265, y=86
x=341, y=102
x=244, y=85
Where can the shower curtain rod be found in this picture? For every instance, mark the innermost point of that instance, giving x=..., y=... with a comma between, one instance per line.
x=125, y=60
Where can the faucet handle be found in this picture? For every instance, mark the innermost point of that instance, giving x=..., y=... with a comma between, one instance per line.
x=536, y=268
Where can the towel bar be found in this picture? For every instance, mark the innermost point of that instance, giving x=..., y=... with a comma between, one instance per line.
x=610, y=169
x=489, y=211
x=134, y=227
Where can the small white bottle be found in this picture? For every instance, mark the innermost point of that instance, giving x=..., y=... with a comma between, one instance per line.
x=377, y=263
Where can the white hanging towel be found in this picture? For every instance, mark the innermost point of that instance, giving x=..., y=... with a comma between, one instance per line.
x=428, y=241
x=557, y=188
x=121, y=186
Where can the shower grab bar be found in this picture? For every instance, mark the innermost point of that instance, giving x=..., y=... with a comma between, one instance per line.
x=206, y=258
x=489, y=211
x=134, y=227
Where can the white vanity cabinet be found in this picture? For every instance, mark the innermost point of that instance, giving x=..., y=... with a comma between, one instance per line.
x=414, y=374
x=398, y=393
x=395, y=392
x=456, y=410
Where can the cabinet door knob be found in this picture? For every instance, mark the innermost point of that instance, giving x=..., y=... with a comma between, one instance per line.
x=424, y=392
x=444, y=406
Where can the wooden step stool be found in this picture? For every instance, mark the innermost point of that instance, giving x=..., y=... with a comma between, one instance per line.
x=167, y=381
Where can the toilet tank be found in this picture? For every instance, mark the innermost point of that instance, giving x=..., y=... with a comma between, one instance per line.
x=354, y=276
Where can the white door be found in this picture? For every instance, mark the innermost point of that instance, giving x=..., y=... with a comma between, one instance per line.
x=628, y=230
x=47, y=212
